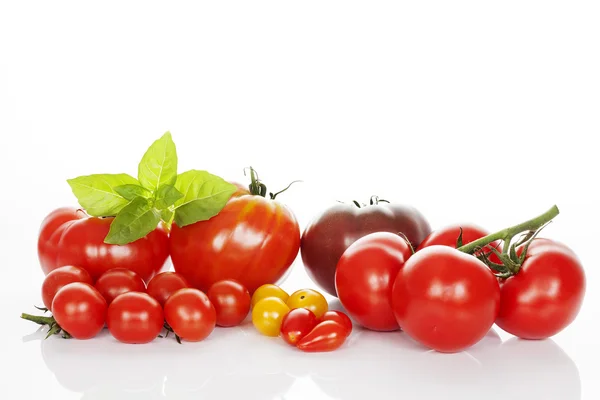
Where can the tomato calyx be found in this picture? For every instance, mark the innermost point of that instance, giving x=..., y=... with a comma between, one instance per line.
x=513, y=238
x=170, y=330
x=258, y=188
x=373, y=201
x=53, y=327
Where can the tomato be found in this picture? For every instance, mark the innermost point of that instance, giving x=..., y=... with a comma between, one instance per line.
x=327, y=237
x=545, y=296
x=252, y=240
x=309, y=299
x=296, y=324
x=69, y=237
x=268, y=314
x=338, y=317
x=190, y=314
x=326, y=336
x=60, y=277
x=269, y=290
x=242, y=190
x=365, y=275
x=118, y=281
x=445, y=299
x=134, y=317
x=163, y=285
x=231, y=301
x=80, y=310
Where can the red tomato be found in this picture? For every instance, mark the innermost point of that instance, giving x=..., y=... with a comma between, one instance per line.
x=327, y=237
x=231, y=301
x=190, y=314
x=338, y=317
x=80, y=310
x=326, y=336
x=365, y=275
x=445, y=299
x=545, y=295
x=252, y=240
x=135, y=317
x=60, y=277
x=163, y=285
x=69, y=237
x=118, y=281
x=296, y=324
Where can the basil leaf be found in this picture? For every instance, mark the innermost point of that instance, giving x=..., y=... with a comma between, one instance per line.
x=167, y=215
x=130, y=192
x=135, y=221
x=159, y=164
x=97, y=193
x=204, y=196
x=166, y=196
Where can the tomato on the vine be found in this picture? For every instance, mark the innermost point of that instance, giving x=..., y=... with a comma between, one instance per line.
x=163, y=285
x=60, y=277
x=117, y=281
x=296, y=324
x=134, y=317
x=190, y=314
x=268, y=314
x=326, y=336
x=445, y=299
x=231, y=301
x=309, y=299
x=545, y=295
x=80, y=310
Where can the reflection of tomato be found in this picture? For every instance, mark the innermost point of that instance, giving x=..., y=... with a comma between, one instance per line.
x=445, y=299
x=329, y=235
x=545, y=295
x=252, y=240
x=69, y=237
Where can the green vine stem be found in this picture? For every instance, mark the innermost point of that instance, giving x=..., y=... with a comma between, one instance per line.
x=53, y=327
x=257, y=188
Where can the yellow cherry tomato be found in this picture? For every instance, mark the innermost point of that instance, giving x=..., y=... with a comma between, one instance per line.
x=269, y=290
x=267, y=315
x=308, y=298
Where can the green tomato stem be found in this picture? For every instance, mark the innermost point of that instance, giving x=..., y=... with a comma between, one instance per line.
x=509, y=233
x=38, y=319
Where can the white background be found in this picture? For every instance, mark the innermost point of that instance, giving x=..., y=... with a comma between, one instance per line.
x=472, y=111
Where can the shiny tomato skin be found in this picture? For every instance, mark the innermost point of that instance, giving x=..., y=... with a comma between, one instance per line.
x=545, y=296
x=309, y=299
x=163, y=285
x=135, y=317
x=327, y=237
x=117, y=281
x=60, y=277
x=365, y=275
x=339, y=317
x=252, y=240
x=80, y=241
x=80, y=310
x=268, y=314
x=190, y=314
x=326, y=336
x=445, y=299
x=231, y=301
x=296, y=324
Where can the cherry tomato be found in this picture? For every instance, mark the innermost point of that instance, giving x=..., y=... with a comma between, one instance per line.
x=545, y=295
x=309, y=299
x=60, y=277
x=134, y=317
x=117, y=281
x=338, y=317
x=163, y=285
x=327, y=237
x=69, y=237
x=269, y=290
x=365, y=275
x=326, y=336
x=296, y=324
x=79, y=309
x=252, y=240
x=268, y=314
x=190, y=314
x=231, y=301
x=445, y=299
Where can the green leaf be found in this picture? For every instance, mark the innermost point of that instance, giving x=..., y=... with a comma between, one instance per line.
x=166, y=196
x=204, y=196
x=135, y=221
x=159, y=164
x=167, y=215
x=97, y=193
x=130, y=192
